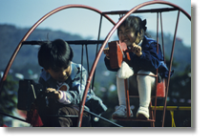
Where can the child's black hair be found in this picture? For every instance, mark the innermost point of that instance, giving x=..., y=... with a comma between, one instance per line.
x=55, y=55
x=134, y=21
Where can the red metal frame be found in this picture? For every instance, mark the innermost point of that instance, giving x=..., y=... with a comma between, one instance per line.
x=171, y=58
x=106, y=41
x=36, y=25
x=102, y=47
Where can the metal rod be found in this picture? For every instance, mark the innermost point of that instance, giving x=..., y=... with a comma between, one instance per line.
x=151, y=113
x=157, y=47
x=76, y=42
x=81, y=63
x=127, y=98
x=141, y=11
x=66, y=116
x=97, y=48
x=92, y=113
x=103, y=118
x=172, y=107
x=13, y=117
x=157, y=29
x=175, y=7
x=171, y=58
x=88, y=66
x=162, y=36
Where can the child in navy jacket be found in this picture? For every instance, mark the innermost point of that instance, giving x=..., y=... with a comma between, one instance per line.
x=144, y=60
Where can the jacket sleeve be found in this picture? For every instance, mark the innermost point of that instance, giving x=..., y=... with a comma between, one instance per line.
x=78, y=83
x=150, y=58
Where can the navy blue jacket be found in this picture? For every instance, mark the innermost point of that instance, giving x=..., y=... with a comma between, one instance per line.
x=150, y=60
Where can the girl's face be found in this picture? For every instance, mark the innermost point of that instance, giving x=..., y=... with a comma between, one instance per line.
x=61, y=74
x=127, y=34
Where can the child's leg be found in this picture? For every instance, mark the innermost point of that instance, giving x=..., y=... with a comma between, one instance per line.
x=121, y=91
x=121, y=110
x=145, y=85
x=66, y=121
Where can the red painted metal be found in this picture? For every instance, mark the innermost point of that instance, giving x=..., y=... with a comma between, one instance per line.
x=34, y=27
x=160, y=89
x=155, y=103
x=151, y=115
x=101, y=49
x=127, y=98
x=106, y=41
x=171, y=58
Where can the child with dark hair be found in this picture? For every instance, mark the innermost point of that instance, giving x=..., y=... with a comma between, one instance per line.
x=144, y=60
x=65, y=83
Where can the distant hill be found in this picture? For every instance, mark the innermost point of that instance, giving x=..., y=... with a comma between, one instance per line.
x=11, y=36
x=26, y=59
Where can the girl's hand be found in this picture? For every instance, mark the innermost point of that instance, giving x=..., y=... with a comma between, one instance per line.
x=136, y=49
x=53, y=93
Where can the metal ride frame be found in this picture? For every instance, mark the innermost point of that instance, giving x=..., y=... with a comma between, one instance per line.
x=116, y=25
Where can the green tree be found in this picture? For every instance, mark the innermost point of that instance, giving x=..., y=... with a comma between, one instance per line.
x=8, y=100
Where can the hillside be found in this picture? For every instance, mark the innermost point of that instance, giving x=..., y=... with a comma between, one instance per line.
x=26, y=60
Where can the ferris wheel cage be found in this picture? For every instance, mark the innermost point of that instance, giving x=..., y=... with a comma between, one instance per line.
x=116, y=25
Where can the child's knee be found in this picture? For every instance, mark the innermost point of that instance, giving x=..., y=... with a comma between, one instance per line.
x=144, y=75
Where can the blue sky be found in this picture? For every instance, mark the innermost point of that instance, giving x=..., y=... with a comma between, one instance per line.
x=24, y=13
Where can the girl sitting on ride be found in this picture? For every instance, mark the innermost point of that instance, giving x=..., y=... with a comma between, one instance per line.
x=144, y=62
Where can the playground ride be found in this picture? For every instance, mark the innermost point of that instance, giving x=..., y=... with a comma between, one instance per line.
x=162, y=88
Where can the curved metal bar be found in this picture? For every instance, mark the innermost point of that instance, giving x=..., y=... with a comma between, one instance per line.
x=106, y=40
x=171, y=58
x=34, y=27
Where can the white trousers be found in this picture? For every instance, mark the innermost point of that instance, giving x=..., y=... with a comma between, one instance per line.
x=143, y=83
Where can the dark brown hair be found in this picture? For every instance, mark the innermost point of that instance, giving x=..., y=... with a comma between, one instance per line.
x=55, y=55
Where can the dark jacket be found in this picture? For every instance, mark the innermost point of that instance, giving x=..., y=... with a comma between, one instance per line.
x=150, y=60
